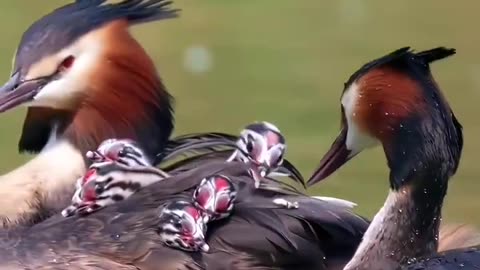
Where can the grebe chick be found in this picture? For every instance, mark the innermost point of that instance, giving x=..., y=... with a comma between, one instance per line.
x=120, y=169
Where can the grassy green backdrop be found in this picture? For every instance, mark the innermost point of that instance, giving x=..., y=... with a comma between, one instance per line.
x=285, y=61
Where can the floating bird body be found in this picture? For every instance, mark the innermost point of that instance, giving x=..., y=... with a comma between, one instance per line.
x=258, y=233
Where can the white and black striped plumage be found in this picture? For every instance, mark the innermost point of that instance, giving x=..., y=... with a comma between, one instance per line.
x=124, y=151
x=109, y=182
x=260, y=144
x=215, y=196
x=181, y=225
x=119, y=170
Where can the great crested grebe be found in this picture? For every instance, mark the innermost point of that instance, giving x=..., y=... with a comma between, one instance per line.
x=74, y=69
x=395, y=102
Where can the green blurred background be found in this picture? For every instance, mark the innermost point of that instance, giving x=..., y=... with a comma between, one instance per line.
x=229, y=63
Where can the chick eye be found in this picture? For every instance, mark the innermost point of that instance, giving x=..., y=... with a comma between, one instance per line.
x=124, y=151
x=249, y=144
x=276, y=158
x=66, y=63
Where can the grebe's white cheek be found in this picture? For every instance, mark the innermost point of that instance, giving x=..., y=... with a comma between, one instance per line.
x=357, y=140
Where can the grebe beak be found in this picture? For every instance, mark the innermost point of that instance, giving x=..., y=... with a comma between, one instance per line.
x=17, y=91
x=335, y=158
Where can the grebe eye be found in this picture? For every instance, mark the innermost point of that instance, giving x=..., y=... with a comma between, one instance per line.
x=66, y=63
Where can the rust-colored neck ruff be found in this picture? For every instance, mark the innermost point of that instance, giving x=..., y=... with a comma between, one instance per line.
x=125, y=99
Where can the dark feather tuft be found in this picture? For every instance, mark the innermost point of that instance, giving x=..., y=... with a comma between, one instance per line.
x=435, y=54
x=66, y=24
x=403, y=59
x=197, y=143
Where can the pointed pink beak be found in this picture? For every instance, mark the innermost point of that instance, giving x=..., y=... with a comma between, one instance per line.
x=335, y=158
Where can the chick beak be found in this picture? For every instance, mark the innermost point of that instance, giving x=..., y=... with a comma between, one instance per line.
x=205, y=247
x=335, y=158
x=258, y=172
x=16, y=91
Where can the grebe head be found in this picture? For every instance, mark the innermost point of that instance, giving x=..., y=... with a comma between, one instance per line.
x=215, y=196
x=263, y=146
x=81, y=74
x=123, y=151
x=394, y=101
x=181, y=225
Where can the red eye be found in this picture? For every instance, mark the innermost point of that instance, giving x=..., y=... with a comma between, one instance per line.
x=67, y=63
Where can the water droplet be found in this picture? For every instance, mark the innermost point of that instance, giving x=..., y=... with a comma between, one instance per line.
x=425, y=190
x=461, y=265
x=370, y=104
x=417, y=232
x=386, y=113
x=404, y=153
x=400, y=210
x=393, y=253
x=116, y=236
x=412, y=260
x=401, y=125
x=354, y=114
